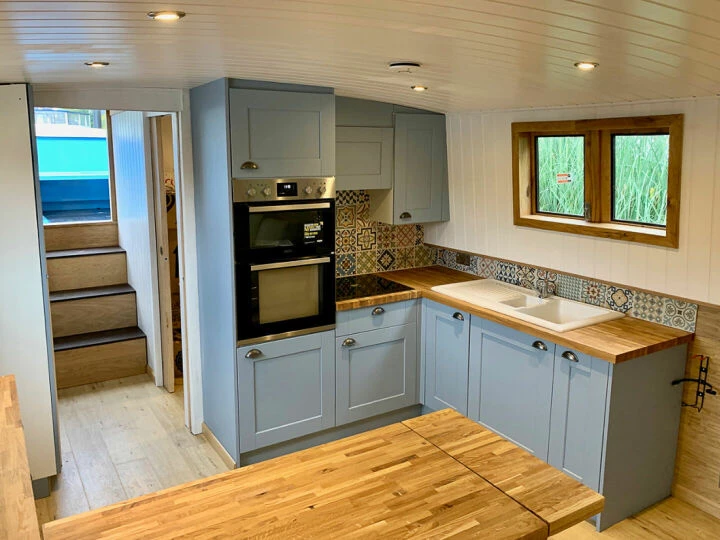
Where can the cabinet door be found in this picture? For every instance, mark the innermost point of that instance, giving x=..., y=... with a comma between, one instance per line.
x=420, y=185
x=578, y=415
x=447, y=348
x=281, y=134
x=376, y=372
x=364, y=158
x=515, y=387
x=286, y=389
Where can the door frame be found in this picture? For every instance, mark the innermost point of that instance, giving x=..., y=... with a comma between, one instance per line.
x=177, y=102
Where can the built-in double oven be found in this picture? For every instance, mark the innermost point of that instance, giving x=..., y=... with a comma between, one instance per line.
x=284, y=257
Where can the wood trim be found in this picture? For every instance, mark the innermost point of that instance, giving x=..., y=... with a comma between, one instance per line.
x=219, y=448
x=598, y=177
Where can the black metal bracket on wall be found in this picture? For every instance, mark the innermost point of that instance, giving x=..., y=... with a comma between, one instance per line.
x=703, y=387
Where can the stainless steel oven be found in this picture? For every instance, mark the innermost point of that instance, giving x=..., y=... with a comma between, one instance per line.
x=284, y=257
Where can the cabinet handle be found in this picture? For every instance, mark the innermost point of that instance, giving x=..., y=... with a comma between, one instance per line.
x=540, y=345
x=249, y=165
x=405, y=215
x=459, y=316
x=567, y=355
x=378, y=310
x=349, y=342
x=252, y=354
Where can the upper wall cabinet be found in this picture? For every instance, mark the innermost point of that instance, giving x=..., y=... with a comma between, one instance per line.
x=364, y=158
x=275, y=134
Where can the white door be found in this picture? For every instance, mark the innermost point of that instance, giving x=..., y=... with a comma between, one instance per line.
x=132, y=159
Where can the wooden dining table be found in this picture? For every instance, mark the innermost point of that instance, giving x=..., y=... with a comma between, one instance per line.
x=439, y=475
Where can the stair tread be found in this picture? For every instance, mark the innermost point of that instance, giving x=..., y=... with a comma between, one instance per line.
x=65, y=253
x=90, y=292
x=97, y=338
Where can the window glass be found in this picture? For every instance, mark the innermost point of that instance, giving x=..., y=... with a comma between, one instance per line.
x=73, y=163
x=561, y=174
x=640, y=178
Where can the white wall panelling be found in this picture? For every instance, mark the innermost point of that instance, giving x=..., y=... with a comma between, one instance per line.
x=136, y=223
x=24, y=338
x=481, y=215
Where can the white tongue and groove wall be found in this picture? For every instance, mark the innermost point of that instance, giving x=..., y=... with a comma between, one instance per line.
x=481, y=206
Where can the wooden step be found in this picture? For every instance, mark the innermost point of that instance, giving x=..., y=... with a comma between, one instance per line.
x=92, y=310
x=80, y=235
x=99, y=356
x=86, y=268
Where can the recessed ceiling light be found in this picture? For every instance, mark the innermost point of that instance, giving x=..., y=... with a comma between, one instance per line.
x=404, y=67
x=96, y=64
x=166, y=16
x=586, y=66
x=419, y=88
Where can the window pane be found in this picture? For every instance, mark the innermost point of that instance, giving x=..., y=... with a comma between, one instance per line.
x=73, y=164
x=561, y=175
x=640, y=178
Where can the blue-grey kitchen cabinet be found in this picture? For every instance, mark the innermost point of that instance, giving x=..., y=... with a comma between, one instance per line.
x=446, y=346
x=511, y=388
x=276, y=134
x=364, y=158
x=420, y=177
x=377, y=372
x=577, y=420
x=286, y=389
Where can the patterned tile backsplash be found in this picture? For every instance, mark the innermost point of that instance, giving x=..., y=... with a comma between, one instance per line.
x=363, y=246
x=641, y=305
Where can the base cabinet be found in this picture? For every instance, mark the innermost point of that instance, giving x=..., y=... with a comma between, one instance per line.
x=446, y=345
x=286, y=389
x=376, y=372
x=579, y=396
x=514, y=392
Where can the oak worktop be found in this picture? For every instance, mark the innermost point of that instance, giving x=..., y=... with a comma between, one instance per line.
x=393, y=482
x=17, y=504
x=615, y=341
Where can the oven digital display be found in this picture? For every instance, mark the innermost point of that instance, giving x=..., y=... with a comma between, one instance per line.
x=287, y=189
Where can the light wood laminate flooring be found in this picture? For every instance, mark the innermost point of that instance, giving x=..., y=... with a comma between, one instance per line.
x=122, y=439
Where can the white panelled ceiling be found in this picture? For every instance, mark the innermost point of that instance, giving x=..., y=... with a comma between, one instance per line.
x=476, y=54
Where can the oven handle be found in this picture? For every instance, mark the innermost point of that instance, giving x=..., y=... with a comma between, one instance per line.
x=289, y=264
x=289, y=207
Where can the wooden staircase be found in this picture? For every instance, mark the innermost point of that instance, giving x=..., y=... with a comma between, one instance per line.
x=93, y=309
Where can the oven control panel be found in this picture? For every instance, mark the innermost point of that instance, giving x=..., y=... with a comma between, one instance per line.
x=283, y=189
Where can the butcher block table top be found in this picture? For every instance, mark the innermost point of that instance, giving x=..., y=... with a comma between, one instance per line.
x=392, y=482
x=615, y=341
x=17, y=505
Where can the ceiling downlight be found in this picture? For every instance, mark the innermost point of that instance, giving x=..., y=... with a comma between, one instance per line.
x=166, y=15
x=97, y=64
x=586, y=66
x=419, y=88
x=404, y=67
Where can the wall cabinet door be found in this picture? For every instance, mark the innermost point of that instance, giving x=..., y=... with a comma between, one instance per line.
x=578, y=415
x=420, y=184
x=376, y=372
x=278, y=134
x=446, y=348
x=286, y=389
x=364, y=158
x=514, y=391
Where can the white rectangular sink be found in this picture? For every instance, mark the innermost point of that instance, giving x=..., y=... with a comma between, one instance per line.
x=554, y=313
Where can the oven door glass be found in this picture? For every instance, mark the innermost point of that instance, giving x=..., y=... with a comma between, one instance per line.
x=286, y=296
x=296, y=227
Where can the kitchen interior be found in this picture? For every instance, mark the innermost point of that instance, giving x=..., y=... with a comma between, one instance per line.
x=422, y=311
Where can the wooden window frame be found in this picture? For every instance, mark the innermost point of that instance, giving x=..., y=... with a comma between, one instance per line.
x=598, y=135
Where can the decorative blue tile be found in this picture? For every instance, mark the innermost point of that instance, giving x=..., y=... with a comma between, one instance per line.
x=526, y=276
x=569, y=287
x=506, y=272
x=679, y=314
x=386, y=260
x=648, y=307
x=345, y=265
x=345, y=198
x=593, y=292
x=619, y=299
x=547, y=278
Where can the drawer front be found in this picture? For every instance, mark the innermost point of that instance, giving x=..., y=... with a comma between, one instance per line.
x=519, y=338
x=376, y=317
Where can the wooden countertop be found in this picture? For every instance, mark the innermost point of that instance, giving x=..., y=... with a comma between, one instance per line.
x=394, y=481
x=615, y=341
x=17, y=505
